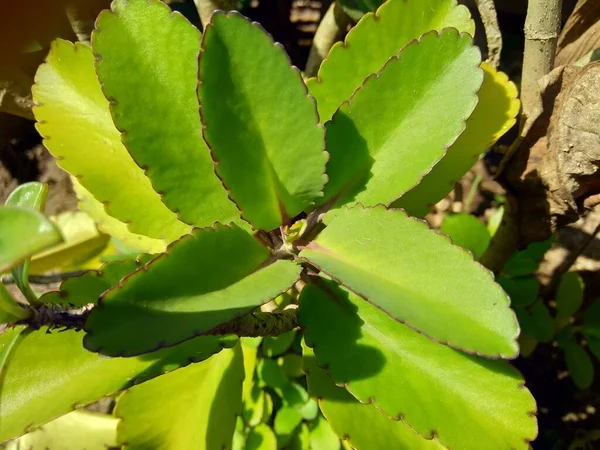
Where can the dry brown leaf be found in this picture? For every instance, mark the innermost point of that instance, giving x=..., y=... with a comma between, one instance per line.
x=581, y=33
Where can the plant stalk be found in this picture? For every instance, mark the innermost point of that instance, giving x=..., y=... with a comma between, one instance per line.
x=542, y=27
x=487, y=11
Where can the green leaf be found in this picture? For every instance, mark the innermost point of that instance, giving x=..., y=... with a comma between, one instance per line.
x=74, y=431
x=569, y=295
x=261, y=126
x=82, y=243
x=526, y=262
x=322, y=437
x=292, y=365
x=207, y=278
x=198, y=411
x=8, y=338
x=493, y=116
x=23, y=233
x=141, y=47
x=379, y=142
x=271, y=374
x=277, y=345
x=357, y=8
x=594, y=346
x=375, y=39
x=301, y=438
x=254, y=404
x=65, y=376
x=249, y=350
x=261, y=438
x=286, y=421
x=87, y=288
x=33, y=196
x=71, y=110
x=579, y=365
x=417, y=277
x=363, y=426
x=468, y=232
x=591, y=320
x=434, y=389
x=536, y=321
x=10, y=310
x=523, y=291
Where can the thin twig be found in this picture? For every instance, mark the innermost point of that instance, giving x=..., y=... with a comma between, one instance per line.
x=542, y=27
x=331, y=29
x=45, y=279
x=487, y=11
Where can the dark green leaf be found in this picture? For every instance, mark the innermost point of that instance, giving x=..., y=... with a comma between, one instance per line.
x=205, y=279
x=579, y=365
x=262, y=127
x=271, y=374
x=286, y=421
x=275, y=346
x=536, y=321
x=261, y=438
x=591, y=320
x=526, y=262
x=569, y=295
x=523, y=291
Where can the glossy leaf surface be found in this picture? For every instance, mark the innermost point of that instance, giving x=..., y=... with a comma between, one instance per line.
x=363, y=426
x=431, y=387
x=144, y=48
x=207, y=278
x=401, y=122
x=63, y=375
x=88, y=287
x=375, y=39
x=73, y=110
x=199, y=410
x=23, y=233
x=74, y=431
x=493, y=116
x=417, y=277
x=468, y=232
x=259, y=122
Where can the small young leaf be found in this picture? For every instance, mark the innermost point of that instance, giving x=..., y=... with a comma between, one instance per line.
x=88, y=287
x=74, y=431
x=493, y=116
x=277, y=345
x=72, y=110
x=399, y=124
x=142, y=48
x=194, y=407
x=205, y=279
x=261, y=438
x=435, y=388
x=64, y=375
x=292, y=365
x=417, y=277
x=579, y=365
x=259, y=122
x=363, y=426
x=301, y=438
x=468, y=232
x=536, y=321
x=523, y=291
x=286, y=421
x=375, y=39
x=526, y=262
x=270, y=374
x=23, y=233
x=322, y=437
x=33, y=196
x=569, y=295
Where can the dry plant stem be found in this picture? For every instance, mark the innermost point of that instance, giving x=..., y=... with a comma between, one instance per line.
x=542, y=27
x=207, y=7
x=330, y=30
x=81, y=20
x=251, y=325
x=487, y=11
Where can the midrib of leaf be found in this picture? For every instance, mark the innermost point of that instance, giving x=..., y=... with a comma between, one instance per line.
x=449, y=308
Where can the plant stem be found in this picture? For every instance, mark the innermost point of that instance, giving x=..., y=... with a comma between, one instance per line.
x=45, y=279
x=487, y=11
x=207, y=7
x=251, y=325
x=472, y=192
x=542, y=27
x=330, y=30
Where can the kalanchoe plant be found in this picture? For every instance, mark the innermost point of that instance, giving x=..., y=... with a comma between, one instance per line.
x=404, y=334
